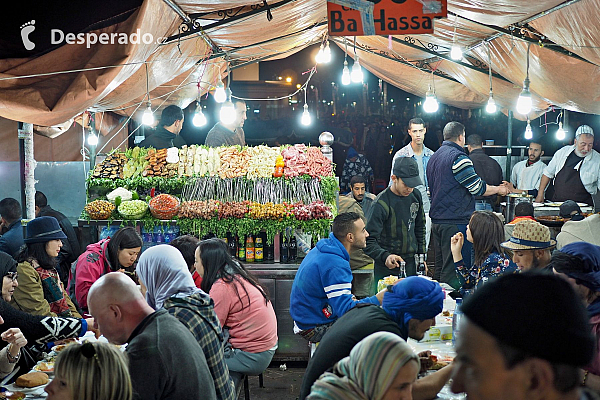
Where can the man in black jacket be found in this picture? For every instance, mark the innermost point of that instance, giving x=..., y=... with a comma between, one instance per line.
x=70, y=249
x=487, y=168
x=166, y=133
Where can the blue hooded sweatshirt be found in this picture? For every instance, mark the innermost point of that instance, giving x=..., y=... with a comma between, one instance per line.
x=321, y=290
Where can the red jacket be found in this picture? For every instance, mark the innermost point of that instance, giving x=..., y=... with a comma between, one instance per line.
x=91, y=265
x=197, y=279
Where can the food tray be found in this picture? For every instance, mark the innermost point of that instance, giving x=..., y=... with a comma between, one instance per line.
x=164, y=213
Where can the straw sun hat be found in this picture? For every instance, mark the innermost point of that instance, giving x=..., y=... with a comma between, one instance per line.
x=529, y=235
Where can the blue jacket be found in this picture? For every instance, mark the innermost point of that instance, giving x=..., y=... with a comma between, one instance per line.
x=321, y=289
x=12, y=240
x=451, y=203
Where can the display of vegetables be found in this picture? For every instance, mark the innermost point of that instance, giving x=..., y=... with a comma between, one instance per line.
x=133, y=209
x=111, y=167
x=121, y=192
x=198, y=209
x=99, y=209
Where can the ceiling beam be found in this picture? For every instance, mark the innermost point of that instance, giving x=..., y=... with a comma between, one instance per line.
x=175, y=7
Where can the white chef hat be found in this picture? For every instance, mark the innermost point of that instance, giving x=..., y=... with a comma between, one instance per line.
x=584, y=129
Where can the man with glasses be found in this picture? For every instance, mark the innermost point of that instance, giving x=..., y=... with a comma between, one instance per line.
x=417, y=150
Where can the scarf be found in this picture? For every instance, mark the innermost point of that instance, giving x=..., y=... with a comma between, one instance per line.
x=7, y=264
x=368, y=372
x=53, y=291
x=164, y=272
x=413, y=297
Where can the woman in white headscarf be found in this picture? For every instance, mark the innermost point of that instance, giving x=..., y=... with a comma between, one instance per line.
x=166, y=280
x=382, y=366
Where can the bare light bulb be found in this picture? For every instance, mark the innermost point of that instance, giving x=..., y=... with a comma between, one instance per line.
x=528, y=131
x=345, y=74
x=92, y=139
x=326, y=53
x=455, y=52
x=148, y=116
x=220, y=95
x=320, y=55
x=524, y=101
x=560, y=133
x=357, y=74
x=491, y=108
x=199, y=117
x=306, y=119
x=227, y=113
x=431, y=104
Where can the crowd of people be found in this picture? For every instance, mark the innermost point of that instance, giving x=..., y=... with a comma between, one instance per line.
x=196, y=321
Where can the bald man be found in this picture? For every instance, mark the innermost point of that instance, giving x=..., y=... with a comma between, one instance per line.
x=165, y=361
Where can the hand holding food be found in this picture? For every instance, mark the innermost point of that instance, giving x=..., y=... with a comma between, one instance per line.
x=15, y=337
x=91, y=328
x=393, y=261
x=456, y=243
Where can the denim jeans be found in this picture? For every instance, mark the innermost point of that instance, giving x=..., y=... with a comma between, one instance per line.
x=482, y=205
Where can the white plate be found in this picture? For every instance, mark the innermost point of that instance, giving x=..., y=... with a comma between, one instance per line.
x=34, y=391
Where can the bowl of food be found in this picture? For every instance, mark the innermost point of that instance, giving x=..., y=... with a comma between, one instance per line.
x=164, y=206
x=99, y=209
x=133, y=209
x=45, y=366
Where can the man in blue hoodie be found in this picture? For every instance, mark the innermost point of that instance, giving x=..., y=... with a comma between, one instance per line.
x=321, y=290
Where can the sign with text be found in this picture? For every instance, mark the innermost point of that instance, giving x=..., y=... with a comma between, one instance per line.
x=383, y=17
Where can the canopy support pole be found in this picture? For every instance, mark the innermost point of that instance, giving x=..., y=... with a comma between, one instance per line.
x=27, y=168
x=509, y=146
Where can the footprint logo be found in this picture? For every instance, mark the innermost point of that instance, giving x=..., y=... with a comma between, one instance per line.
x=26, y=29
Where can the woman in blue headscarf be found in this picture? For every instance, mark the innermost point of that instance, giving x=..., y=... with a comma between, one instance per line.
x=380, y=367
x=355, y=164
x=167, y=282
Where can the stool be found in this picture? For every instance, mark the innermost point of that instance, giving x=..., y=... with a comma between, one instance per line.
x=247, y=387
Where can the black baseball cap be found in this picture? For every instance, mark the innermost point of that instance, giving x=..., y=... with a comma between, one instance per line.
x=407, y=169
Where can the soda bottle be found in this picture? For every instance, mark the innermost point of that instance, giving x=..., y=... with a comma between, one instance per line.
x=292, y=249
x=284, y=255
x=242, y=249
x=421, y=265
x=258, y=249
x=232, y=246
x=249, y=249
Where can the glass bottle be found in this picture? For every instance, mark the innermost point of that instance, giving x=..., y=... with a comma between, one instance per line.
x=292, y=249
x=284, y=255
x=421, y=270
x=258, y=249
x=242, y=249
x=249, y=249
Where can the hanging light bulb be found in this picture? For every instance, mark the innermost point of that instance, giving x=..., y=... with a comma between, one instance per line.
x=319, y=57
x=357, y=74
x=92, y=139
x=431, y=104
x=220, y=95
x=560, y=133
x=306, y=118
x=227, y=113
x=455, y=52
x=345, y=74
x=528, y=131
x=491, y=108
x=148, y=116
x=199, y=117
x=524, y=102
x=326, y=53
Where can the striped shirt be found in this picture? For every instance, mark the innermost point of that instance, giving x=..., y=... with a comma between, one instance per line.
x=464, y=173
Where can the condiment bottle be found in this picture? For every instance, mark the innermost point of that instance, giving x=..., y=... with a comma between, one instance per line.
x=279, y=164
x=258, y=249
x=249, y=249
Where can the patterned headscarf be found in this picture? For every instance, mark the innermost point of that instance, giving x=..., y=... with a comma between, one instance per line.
x=7, y=264
x=413, y=297
x=164, y=272
x=368, y=372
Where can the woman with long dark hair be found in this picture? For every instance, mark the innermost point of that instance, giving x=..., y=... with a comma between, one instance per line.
x=486, y=232
x=40, y=290
x=108, y=255
x=242, y=306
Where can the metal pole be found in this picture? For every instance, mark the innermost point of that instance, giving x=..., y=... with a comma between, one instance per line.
x=27, y=167
x=509, y=146
x=22, y=170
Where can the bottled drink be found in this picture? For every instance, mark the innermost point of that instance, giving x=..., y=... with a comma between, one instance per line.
x=421, y=265
x=456, y=319
x=242, y=249
x=249, y=249
x=232, y=246
x=402, y=270
x=284, y=255
x=269, y=253
x=292, y=249
x=159, y=238
x=258, y=249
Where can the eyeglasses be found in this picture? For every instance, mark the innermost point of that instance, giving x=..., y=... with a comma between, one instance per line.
x=13, y=276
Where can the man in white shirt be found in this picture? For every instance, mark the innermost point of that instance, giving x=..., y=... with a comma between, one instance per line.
x=575, y=170
x=417, y=150
x=527, y=174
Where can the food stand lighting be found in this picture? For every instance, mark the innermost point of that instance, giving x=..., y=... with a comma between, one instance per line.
x=306, y=119
x=92, y=139
x=326, y=53
x=345, y=74
x=220, y=95
x=560, y=133
x=431, y=104
x=148, y=116
x=319, y=56
x=455, y=52
x=357, y=74
x=227, y=113
x=524, y=102
x=490, y=108
x=528, y=131
x=199, y=117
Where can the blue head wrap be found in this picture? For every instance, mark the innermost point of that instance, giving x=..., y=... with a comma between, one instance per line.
x=413, y=297
x=589, y=254
x=351, y=153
